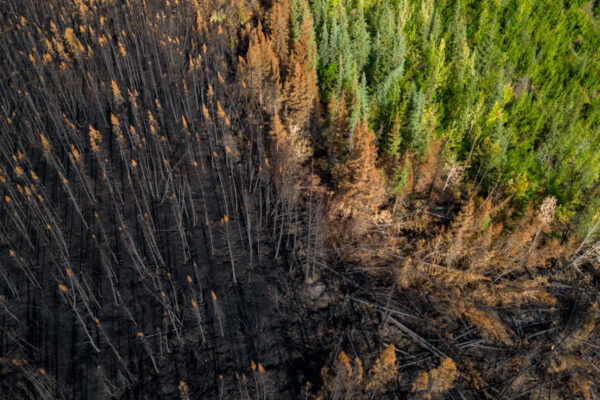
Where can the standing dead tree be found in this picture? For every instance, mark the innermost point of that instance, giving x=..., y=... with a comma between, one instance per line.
x=133, y=167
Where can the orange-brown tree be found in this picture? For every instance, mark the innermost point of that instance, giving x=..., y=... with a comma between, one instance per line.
x=260, y=70
x=278, y=24
x=301, y=92
x=363, y=189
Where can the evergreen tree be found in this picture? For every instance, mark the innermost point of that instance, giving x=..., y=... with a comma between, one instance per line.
x=416, y=133
x=361, y=194
x=359, y=36
x=278, y=24
x=260, y=70
x=301, y=85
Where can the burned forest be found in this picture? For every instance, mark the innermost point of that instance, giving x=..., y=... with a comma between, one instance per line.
x=299, y=199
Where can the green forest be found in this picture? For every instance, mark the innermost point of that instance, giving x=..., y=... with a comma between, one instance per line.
x=509, y=87
x=299, y=199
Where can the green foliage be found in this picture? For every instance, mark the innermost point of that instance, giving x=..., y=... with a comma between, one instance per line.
x=415, y=133
x=400, y=179
x=513, y=85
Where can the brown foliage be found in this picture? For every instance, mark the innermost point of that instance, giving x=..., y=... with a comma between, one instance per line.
x=301, y=83
x=95, y=139
x=383, y=372
x=433, y=383
x=260, y=70
x=278, y=24
x=426, y=173
x=298, y=95
x=346, y=380
x=289, y=150
x=361, y=194
x=472, y=265
x=338, y=127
